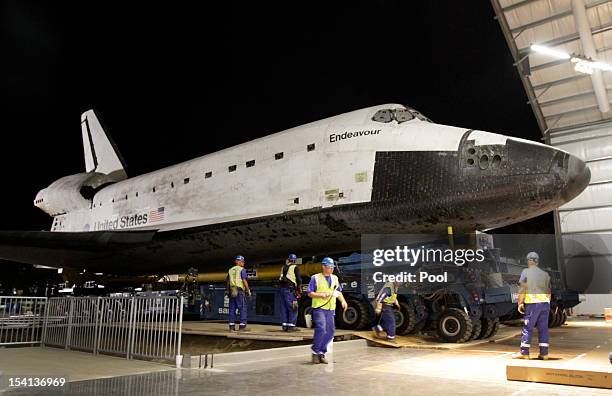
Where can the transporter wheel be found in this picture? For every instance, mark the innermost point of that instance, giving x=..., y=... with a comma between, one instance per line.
x=487, y=327
x=496, y=324
x=476, y=329
x=454, y=325
x=552, y=317
x=422, y=314
x=305, y=308
x=419, y=327
x=356, y=316
x=558, y=317
x=405, y=319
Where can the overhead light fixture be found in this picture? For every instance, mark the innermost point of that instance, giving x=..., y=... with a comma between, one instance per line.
x=587, y=65
x=583, y=67
x=549, y=51
x=582, y=64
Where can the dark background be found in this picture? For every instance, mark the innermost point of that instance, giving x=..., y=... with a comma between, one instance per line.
x=173, y=83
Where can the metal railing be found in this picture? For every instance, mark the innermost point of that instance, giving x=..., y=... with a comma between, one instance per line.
x=135, y=327
x=21, y=320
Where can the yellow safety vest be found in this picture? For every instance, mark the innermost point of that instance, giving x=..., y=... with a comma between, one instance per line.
x=235, y=277
x=322, y=286
x=290, y=274
x=536, y=298
x=532, y=298
x=392, y=298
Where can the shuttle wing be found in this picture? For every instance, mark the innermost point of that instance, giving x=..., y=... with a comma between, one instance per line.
x=70, y=249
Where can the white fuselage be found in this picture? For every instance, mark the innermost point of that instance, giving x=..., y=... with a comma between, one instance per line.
x=202, y=191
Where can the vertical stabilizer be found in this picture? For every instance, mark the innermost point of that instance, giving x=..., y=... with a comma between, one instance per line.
x=101, y=154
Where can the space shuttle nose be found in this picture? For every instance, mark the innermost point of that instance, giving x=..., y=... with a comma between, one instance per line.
x=577, y=179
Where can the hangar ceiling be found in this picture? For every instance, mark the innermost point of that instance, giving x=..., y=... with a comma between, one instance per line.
x=561, y=97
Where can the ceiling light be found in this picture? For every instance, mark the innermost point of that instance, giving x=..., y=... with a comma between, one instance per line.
x=549, y=51
x=583, y=67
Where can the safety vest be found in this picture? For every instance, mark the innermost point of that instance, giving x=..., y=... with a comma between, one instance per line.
x=235, y=277
x=322, y=286
x=290, y=274
x=532, y=298
x=390, y=300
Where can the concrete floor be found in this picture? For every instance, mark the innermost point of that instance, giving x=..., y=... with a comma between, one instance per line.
x=356, y=370
x=361, y=370
x=73, y=365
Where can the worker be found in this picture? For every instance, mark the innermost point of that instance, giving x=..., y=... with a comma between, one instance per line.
x=534, y=302
x=237, y=291
x=386, y=299
x=291, y=286
x=324, y=289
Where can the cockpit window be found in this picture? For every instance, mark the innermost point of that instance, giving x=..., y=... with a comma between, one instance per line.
x=420, y=116
x=383, y=115
x=403, y=115
x=400, y=115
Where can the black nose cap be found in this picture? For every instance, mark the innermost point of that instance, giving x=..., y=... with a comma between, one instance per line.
x=578, y=178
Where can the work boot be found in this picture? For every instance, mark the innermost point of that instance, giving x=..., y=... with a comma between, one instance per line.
x=232, y=328
x=519, y=355
x=243, y=328
x=377, y=331
x=315, y=359
x=291, y=329
x=322, y=359
x=391, y=340
x=542, y=357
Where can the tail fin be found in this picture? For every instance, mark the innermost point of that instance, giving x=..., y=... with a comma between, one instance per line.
x=101, y=154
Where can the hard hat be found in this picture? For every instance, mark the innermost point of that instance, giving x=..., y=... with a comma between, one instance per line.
x=292, y=257
x=238, y=258
x=533, y=256
x=328, y=262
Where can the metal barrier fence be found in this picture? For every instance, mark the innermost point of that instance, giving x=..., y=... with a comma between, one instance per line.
x=21, y=320
x=135, y=327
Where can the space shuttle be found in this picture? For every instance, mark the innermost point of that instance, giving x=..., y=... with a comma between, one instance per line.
x=313, y=189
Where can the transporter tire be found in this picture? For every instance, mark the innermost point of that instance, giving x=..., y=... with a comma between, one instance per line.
x=305, y=307
x=495, y=328
x=558, y=317
x=419, y=327
x=554, y=319
x=563, y=317
x=405, y=319
x=487, y=327
x=356, y=317
x=422, y=314
x=477, y=330
x=454, y=325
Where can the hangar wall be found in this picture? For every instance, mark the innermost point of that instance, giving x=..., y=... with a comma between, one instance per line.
x=586, y=221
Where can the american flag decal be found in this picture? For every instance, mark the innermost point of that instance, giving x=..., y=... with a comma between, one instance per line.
x=157, y=214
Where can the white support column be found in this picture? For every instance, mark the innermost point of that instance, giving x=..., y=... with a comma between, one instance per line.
x=588, y=46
